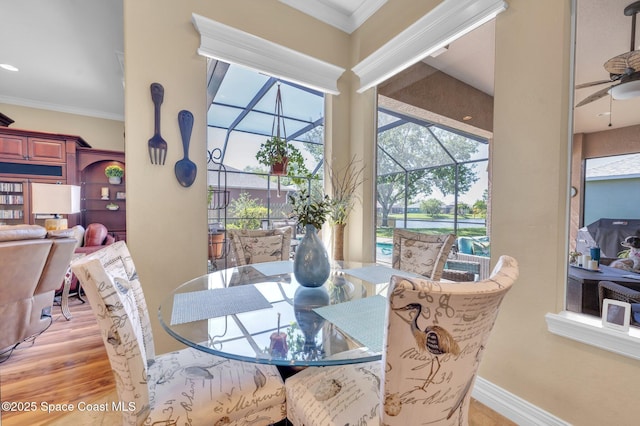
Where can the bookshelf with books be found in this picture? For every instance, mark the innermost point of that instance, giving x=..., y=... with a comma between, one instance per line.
x=13, y=208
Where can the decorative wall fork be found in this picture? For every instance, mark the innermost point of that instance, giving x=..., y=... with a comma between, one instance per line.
x=157, y=145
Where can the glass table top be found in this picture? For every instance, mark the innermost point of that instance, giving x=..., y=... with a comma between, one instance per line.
x=259, y=313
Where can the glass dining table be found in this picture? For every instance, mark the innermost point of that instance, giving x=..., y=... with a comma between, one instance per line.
x=259, y=313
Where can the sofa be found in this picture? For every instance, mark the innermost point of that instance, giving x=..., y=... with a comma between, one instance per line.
x=32, y=266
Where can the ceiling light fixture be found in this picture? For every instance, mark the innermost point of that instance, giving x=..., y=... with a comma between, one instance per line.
x=9, y=67
x=625, y=91
x=467, y=118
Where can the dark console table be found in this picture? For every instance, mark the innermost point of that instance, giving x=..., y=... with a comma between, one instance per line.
x=582, y=287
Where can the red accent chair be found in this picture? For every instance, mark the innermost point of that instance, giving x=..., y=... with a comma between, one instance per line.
x=95, y=237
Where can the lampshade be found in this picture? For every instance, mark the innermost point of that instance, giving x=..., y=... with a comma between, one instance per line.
x=55, y=199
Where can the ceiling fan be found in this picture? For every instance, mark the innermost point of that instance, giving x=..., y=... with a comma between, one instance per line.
x=624, y=69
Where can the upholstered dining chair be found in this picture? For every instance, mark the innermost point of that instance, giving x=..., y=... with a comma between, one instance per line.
x=436, y=334
x=182, y=387
x=260, y=245
x=420, y=253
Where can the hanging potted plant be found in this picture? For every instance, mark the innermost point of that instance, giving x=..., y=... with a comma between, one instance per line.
x=277, y=154
x=114, y=173
x=311, y=264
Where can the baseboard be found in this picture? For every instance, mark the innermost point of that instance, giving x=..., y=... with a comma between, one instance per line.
x=513, y=407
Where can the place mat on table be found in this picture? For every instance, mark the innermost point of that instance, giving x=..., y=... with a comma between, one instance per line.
x=274, y=268
x=378, y=274
x=205, y=304
x=362, y=319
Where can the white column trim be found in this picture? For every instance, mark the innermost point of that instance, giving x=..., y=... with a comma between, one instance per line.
x=228, y=44
x=448, y=21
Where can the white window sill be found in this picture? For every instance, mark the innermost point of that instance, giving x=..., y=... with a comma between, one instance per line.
x=588, y=329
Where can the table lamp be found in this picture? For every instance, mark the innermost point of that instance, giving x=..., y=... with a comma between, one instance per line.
x=55, y=199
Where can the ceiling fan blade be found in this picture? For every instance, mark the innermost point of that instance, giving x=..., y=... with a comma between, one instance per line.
x=594, y=96
x=591, y=84
x=622, y=63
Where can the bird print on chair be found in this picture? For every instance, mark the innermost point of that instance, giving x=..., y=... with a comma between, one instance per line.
x=433, y=339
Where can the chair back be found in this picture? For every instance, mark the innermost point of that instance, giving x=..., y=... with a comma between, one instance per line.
x=111, y=284
x=260, y=245
x=420, y=253
x=615, y=291
x=435, y=339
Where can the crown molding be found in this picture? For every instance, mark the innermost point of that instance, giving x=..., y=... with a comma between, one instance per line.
x=30, y=103
x=337, y=18
x=228, y=44
x=448, y=21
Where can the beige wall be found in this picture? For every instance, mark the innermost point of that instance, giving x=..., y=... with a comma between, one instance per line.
x=581, y=384
x=97, y=132
x=167, y=226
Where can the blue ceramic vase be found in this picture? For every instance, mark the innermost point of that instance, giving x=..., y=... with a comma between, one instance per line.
x=311, y=265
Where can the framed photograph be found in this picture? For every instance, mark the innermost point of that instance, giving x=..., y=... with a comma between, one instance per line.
x=120, y=196
x=616, y=315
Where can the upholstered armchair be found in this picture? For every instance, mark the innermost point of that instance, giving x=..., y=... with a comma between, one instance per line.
x=434, y=342
x=420, y=253
x=32, y=265
x=96, y=236
x=260, y=245
x=182, y=387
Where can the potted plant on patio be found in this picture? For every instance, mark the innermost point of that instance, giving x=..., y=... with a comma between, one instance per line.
x=114, y=173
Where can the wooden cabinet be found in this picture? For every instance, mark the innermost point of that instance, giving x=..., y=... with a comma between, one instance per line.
x=32, y=146
x=99, y=198
x=27, y=156
x=13, y=147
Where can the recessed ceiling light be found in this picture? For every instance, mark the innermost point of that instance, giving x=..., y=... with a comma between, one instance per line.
x=604, y=114
x=8, y=67
x=467, y=118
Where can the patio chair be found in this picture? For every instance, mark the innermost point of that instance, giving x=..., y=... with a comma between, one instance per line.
x=260, y=245
x=420, y=253
x=186, y=386
x=615, y=291
x=435, y=338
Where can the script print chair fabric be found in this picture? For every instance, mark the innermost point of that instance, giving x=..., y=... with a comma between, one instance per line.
x=436, y=334
x=260, y=245
x=420, y=253
x=181, y=387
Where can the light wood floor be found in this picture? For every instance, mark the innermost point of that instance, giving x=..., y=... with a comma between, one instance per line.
x=68, y=364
